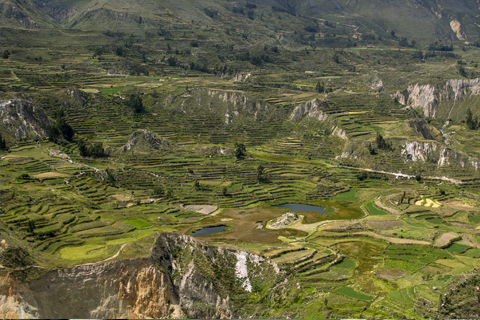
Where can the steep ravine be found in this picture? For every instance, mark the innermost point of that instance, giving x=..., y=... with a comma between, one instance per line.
x=183, y=277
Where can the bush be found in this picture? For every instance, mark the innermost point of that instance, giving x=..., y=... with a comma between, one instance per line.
x=158, y=191
x=24, y=176
x=196, y=185
x=362, y=176
x=172, y=61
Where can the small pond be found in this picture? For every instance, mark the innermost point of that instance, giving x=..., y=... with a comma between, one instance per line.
x=300, y=207
x=208, y=230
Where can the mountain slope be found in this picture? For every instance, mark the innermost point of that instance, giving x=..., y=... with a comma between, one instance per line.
x=420, y=20
x=23, y=14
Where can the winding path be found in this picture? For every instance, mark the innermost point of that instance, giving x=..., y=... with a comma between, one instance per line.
x=391, y=210
x=116, y=254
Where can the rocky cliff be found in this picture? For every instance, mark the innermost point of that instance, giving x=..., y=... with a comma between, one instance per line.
x=240, y=103
x=22, y=119
x=183, y=277
x=428, y=97
x=312, y=109
x=442, y=156
x=144, y=140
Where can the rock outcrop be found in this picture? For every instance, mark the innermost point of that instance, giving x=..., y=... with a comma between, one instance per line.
x=449, y=157
x=144, y=140
x=427, y=97
x=22, y=119
x=415, y=151
x=240, y=103
x=183, y=277
x=443, y=157
x=312, y=109
x=285, y=220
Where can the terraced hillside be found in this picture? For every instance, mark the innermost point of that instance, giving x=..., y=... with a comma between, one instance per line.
x=210, y=118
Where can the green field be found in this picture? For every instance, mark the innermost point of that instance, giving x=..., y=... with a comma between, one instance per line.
x=350, y=292
x=374, y=210
x=138, y=223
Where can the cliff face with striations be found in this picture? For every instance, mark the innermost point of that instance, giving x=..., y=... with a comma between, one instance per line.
x=182, y=278
x=312, y=109
x=428, y=97
x=22, y=119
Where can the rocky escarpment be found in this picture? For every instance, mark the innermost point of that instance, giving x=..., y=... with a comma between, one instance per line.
x=182, y=278
x=240, y=103
x=121, y=289
x=22, y=119
x=418, y=151
x=443, y=157
x=144, y=140
x=427, y=97
x=312, y=109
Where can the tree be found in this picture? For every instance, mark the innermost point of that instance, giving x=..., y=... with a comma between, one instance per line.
x=196, y=185
x=98, y=52
x=224, y=191
x=60, y=128
x=172, y=61
x=97, y=150
x=136, y=103
x=471, y=123
x=320, y=87
x=240, y=151
x=362, y=176
x=3, y=144
x=5, y=54
x=158, y=191
x=261, y=174
x=120, y=51
x=30, y=226
x=381, y=143
x=53, y=133
x=82, y=148
x=462, y=71
x=403, y=42
x=403, y=196
x=65, y=129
